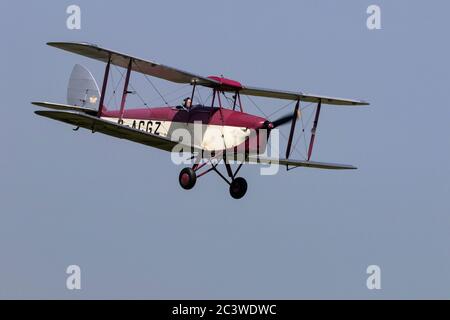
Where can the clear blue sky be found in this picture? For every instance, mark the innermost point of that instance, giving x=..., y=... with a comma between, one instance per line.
x=115, y=208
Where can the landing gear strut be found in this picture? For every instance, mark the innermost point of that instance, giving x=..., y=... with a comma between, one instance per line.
x=238, y=186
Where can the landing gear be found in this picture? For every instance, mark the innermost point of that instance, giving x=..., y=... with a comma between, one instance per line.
x=238, y=188
x=187, y=178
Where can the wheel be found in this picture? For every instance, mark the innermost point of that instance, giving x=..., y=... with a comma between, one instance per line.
x=187, y=178
x=238, y=188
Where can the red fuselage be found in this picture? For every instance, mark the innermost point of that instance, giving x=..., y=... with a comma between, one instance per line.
x=224, y=129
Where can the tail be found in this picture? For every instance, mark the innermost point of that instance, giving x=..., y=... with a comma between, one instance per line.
x=83, y=90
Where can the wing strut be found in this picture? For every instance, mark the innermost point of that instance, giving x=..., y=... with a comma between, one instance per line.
x=193, y=92
x=291, y=134
x=240, y=102
x=125, y=89
x=105, y=83
x=236, y=98
x=313, y=130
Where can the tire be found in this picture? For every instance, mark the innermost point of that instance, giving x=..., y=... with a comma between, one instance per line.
x=238, y=188
x=187, y=178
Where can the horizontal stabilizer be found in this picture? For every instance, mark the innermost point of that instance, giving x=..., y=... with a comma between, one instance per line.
x=301, y=163
x=64, y=107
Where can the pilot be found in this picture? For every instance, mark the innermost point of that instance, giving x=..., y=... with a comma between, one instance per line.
x=187, y=103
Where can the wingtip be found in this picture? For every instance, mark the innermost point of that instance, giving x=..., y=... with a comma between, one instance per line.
x=58, y=44
x=54, y=43
x=39, y=112
x=361, y=103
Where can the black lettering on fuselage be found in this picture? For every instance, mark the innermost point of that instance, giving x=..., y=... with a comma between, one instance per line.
x=158, y=124
x=150, y=126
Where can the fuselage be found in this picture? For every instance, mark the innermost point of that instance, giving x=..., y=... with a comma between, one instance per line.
x=210, y=128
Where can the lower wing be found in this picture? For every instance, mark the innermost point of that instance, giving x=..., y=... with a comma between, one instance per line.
x=109, y=128
x=301, y=163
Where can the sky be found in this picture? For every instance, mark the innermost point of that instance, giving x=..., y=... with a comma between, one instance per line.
x=115, y=209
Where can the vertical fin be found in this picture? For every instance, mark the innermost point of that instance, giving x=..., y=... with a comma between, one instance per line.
x=82, y=90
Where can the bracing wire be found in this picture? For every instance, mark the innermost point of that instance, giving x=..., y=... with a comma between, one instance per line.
x=115, y=88
x=303, y=134
x=165, y=93
x=134, y=90
x=147, y=104
x=229, y=100
x=199, y=98
x=201, y=101
x=151, y=83
x=253, y=102
x=284, y=136
x=279, y=109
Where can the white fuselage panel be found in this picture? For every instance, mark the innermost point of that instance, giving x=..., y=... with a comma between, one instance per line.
x=206, y=137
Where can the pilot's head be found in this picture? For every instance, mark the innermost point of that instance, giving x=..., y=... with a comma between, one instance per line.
x=187, y=103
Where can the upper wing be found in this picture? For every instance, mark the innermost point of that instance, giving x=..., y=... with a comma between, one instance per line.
x=179, y=76
x=301, y=163
x=289, y=95
x=110, y=128
x=139, y=65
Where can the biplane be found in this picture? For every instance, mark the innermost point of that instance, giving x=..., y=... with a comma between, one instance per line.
x=226, y=131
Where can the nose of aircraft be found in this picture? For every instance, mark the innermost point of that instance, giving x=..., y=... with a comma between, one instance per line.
x=267, y=125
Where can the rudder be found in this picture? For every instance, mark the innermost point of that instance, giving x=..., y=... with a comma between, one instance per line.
x=82, y=90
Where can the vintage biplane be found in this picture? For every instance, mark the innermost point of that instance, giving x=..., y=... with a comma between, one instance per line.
x=226, y=132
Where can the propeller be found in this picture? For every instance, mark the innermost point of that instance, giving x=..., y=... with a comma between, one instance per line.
x=279, y=122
